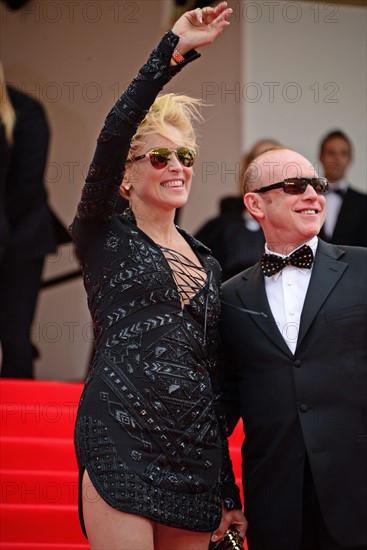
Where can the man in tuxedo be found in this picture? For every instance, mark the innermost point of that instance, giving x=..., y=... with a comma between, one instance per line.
x=346, y=219
x=31, y=234
x=293, y=339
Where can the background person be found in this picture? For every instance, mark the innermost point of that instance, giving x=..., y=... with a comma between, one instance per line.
x=30, y=231
x=234, y=236
x=346, y=219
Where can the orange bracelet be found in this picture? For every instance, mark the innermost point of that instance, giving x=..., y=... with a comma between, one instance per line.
x=177, y=57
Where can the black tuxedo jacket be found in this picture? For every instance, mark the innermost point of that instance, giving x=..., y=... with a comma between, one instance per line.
x=313, y=401
x=231, y=243
x=29, y=218
x=4, y=162
x=351, y=225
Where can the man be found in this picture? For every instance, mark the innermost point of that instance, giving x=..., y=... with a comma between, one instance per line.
x=346, y=219
x=31, y=234
x=294, y=353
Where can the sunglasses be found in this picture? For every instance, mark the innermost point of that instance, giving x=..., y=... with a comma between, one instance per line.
x=297, y=186
x=160, y=156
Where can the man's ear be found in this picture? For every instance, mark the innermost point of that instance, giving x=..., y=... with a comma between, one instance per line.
x=254, y=205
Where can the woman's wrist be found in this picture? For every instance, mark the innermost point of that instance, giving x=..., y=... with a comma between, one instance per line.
x=182, y=47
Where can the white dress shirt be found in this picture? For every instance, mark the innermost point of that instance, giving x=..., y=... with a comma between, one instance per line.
x=286, y=292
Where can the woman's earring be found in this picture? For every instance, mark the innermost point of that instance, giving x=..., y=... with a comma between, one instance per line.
x=127, y=187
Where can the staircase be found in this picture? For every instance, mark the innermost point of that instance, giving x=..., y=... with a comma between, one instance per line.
x=38, y=470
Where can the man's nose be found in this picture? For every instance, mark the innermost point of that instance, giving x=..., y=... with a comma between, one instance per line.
x=310, y=192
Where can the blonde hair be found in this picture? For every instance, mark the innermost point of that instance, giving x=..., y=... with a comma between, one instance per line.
x=177, y=110
x=7, y=112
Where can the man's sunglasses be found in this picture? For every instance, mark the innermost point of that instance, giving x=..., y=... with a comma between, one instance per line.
x=160, y=156
x=297, y=186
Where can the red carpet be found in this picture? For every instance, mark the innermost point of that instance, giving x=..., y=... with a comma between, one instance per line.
x=38, y=470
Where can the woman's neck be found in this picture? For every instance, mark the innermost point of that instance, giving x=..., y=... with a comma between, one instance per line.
x=159, y=226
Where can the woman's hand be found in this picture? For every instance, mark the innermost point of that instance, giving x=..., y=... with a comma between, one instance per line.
x=199, y=27
x=230, y=517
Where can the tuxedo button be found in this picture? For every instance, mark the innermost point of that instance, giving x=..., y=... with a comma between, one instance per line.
x=303, y=407
x=297, y=363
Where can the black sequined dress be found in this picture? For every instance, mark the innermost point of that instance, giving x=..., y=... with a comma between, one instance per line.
x=149, y=429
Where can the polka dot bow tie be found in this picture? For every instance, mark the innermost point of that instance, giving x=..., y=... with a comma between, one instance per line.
x=271, y=263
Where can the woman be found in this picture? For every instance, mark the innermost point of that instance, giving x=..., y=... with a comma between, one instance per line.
x=149, y=434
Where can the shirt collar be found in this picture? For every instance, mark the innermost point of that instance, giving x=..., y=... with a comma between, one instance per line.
x=312, y=243
x=341, y=185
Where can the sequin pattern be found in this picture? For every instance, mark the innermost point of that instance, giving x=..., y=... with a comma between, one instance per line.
x=148, y=428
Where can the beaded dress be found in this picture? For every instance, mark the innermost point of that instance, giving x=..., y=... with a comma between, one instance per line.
x=149, y=427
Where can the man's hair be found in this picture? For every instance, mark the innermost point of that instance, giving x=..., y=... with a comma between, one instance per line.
x=252, y=176
x=259, y=147
x=333, y=135
x=177, y=110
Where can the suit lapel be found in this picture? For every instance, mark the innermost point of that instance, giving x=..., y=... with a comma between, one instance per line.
x=253, y=297
x=326, y=272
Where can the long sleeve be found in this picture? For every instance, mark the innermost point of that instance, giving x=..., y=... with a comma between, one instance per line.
x=107, y=168
x=230, y=491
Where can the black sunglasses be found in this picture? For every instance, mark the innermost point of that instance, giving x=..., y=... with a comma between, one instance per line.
x=160, y=156
x=297, y=186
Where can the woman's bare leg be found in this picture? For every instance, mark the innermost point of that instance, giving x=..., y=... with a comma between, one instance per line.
x=110, y=529
x=168, y=538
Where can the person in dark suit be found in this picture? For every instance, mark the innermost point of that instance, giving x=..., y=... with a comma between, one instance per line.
x=7, y=121
x=4, y=161
x=234, y=237
x=293, y=335
x=346, y=219
x=31, y=234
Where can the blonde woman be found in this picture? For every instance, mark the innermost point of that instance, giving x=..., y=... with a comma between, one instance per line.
x=150, y=436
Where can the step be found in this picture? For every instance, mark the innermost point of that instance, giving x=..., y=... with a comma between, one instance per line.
x=28, y=391
x=29, y=407
x=37, y=453
x=38, y=419
x=235, y=453
x=40, y=524
x=38, y=487
x=40, y=546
